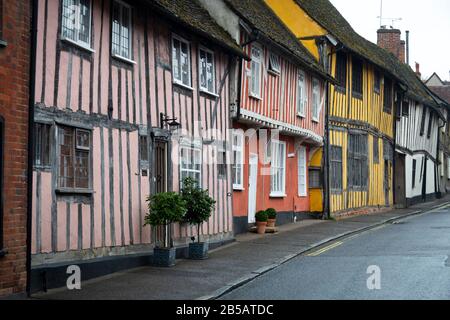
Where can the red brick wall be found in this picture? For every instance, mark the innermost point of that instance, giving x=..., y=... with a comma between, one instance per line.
x=14, y=93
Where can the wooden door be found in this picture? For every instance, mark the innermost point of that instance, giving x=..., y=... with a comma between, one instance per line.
x=160, y=166
x=400, y=181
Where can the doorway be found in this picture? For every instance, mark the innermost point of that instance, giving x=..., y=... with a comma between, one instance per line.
x=400, y=181
x=160, y=165
x=252, y=183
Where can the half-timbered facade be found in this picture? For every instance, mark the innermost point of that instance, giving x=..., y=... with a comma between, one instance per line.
x=279, y=122
x=111, y=76
x=361, y=111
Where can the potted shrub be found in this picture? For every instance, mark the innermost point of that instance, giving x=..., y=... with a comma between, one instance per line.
x=261, y=222
x=199, y=207
x=165, y=209
x=272, y=217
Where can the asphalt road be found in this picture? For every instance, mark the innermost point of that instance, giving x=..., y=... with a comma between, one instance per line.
x=410, y=256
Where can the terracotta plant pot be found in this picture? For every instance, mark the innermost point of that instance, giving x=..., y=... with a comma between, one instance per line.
x=271, y=223
x=261, y=227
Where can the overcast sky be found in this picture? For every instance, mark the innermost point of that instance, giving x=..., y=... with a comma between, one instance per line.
x=428, y=23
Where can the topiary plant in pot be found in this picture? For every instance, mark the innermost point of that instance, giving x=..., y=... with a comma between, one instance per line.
x=261, y=222
x=272, y=217
x=199, y=207
x=165, y=209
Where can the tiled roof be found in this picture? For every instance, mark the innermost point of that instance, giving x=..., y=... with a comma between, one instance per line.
x=325, y=14
x=442, y=91
x=260, y=17
x=191, y=14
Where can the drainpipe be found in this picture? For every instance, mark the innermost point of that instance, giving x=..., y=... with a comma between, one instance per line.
x=34, y=4
x=326, y=154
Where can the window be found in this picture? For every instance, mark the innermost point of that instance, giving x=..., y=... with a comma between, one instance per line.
x=448, y=168
x=42, y=145
x=222, y=164
x=76, y=21
x=302, y=172
x=377, y=81
x=441, y=164
x=278, y=169
x=181, y=61
x=387, y=96
x=430, y=124
x=422, y=122
x=74, y=158
x=357, y=78
x=315, y=178
x=238, y=160
x=207, y=72
x=301, y=94
x=316, y=100
x=405, y=108
x=376, y=150
x=191, y=164
x=341, y=69
x=255, y=86
x=357, y=161
x=121, y=30
x=143, y=155
x=2, y=136
x=414, y=173
x=388, y=151
x=274, y=63
x=336, y=169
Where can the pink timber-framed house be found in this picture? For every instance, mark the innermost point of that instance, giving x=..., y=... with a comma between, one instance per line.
x=107, y=73
x=279, y=123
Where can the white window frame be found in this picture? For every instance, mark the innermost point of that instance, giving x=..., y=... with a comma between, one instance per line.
x=130, y=33
x=200, y=70
x=76, y=26
x=194, y=150
x=316, y=100
x=180, y=81
x=238, y=149
x=278, y=164
x=259, y=62
x=448, y=168
x=274, y=63
x=302, y=172
x=302, y=99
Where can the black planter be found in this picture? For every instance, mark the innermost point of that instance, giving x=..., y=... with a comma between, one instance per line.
x=164, y=257
x=198, y=251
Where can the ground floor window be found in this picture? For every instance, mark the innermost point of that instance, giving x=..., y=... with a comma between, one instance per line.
x=315, y=178
x=191, y=164
x=414, y=168
x=42, y=145
x=336, y=169
x=358, y=170
x=278, y=169
x=74, y=154
x=238, y=160
x=448, y=168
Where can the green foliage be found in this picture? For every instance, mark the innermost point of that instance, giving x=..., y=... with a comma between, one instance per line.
x=271, y=213
x=261, y=216
x=165, y=208
x=199, y=205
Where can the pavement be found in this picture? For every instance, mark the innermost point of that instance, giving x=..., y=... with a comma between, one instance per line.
x=228, y=269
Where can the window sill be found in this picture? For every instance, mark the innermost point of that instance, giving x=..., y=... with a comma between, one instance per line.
x=238, y=188
x=79, y=45
x=3, y=253
x=3, y=43
x=357, y=95
x=209, y=93
x=123, y=59
x=74, y=191
x=315, y=120
x=182, y=85
x=254, y=96
x=300, y=115
x=376, y=91
x=274, y=73
x=278, y=195
x=341, y=89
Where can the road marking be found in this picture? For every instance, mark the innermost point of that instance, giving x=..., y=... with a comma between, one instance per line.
x=327, y=248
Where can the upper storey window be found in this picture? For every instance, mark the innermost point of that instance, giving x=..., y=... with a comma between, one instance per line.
x=341, y=69
x=274, y=63
x=377, y=81
x=388, y=95
x=76, y=21
x=207, y=73
x=315, y=100
x=121, y=30
x=357, y=78
x=257, y=56
x=181, y=61
x=301, y=94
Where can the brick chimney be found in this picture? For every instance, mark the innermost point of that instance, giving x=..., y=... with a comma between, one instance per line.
x=389, y=39
x=418, y=70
